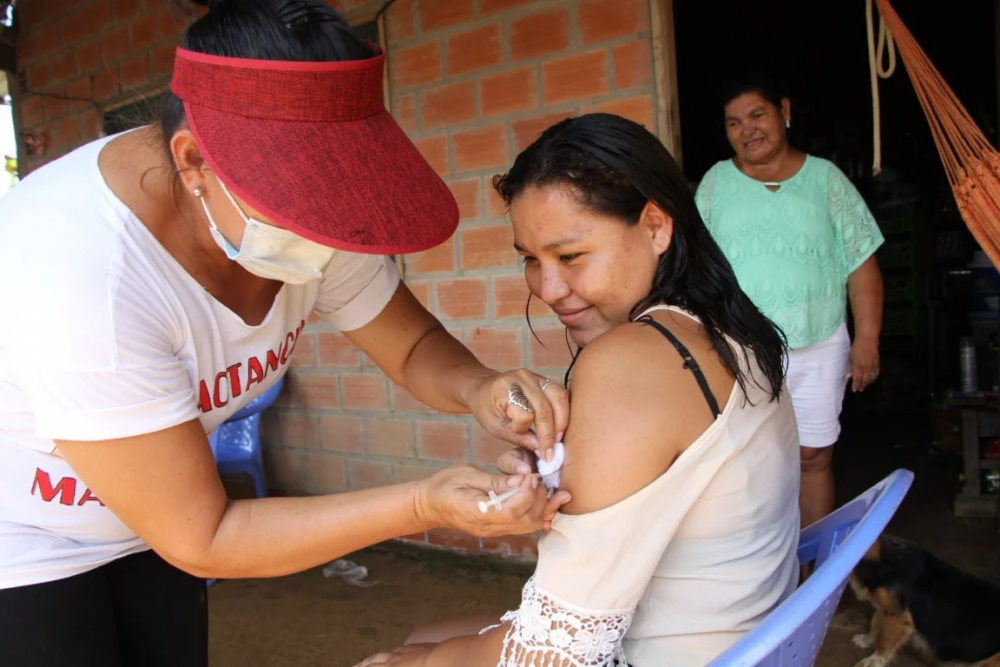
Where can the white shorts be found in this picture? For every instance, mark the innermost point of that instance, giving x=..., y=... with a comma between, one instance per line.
x=817, y=379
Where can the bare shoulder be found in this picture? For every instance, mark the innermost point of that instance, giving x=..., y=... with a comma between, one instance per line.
x=627, y=420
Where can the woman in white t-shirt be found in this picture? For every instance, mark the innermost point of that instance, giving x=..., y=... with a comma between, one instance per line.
x=157, y=281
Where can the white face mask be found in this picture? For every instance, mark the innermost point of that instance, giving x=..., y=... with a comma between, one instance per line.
x=272, y=252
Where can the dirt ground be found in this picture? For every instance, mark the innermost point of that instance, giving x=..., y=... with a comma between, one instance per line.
x=307, y=620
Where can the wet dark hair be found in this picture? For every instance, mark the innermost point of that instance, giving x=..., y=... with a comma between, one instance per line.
x=753, y=81
x=300, y=30
x=615, y=167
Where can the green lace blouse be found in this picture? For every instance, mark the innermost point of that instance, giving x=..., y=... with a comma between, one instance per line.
x=793, y=249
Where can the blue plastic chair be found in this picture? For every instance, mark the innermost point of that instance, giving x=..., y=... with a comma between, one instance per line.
x=236, y=443
x=792, y=634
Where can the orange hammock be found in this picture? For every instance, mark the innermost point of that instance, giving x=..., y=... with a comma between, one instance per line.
x=972, y=164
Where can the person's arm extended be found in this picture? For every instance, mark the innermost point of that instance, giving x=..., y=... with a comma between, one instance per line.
x=631, y=418
x=413, y=348
x=866, y=294
x=165, y=487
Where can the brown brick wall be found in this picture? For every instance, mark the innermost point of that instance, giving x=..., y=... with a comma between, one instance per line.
x=472, y=82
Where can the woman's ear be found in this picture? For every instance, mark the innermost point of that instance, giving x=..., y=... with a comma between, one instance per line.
x=190, y=164
x=786, y=110
x=659, y=225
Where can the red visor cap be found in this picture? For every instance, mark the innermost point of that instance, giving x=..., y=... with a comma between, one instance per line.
x=311, y=146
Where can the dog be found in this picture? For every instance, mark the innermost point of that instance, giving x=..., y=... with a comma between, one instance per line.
x=948, y=615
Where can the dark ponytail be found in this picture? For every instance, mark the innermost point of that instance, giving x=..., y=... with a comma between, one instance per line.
x=616, y=167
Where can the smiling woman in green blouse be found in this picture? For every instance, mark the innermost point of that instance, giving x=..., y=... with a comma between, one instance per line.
x=801, y=241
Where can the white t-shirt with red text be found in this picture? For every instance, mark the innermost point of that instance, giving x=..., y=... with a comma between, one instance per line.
x=104, y=335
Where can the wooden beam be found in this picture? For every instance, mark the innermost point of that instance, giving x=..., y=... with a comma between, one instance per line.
x=667, y=109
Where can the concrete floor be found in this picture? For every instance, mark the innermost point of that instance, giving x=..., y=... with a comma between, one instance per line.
x=307, y=620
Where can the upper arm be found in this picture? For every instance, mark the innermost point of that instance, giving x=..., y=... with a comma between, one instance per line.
x=619, y=437
x=703, y=196
x=390, y=338
x=164, y=486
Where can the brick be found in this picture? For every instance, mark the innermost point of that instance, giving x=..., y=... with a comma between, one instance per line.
x=487, y=7
x=552, y=352
x=495, y=205
x=474, y=50
x=437, y=14
x=448, y=105
x=639, y=109
x=324, y=473
x=342, y=433
x=31, y=13
x=114, y=44
x=416, y=66
x=391, y=437
x=467, y=195
x=55, y=8
x=486, y=447
x=453, y=540
x=171, y=21
x=88, y=56
x=403, y=401
x=161, y=61
x=633, y=64
x=80, y=89
x=125, y=9
x=318, y=391
x=439, y=259
x=461, y=298
x=480, y=148
x=365, y=391
x=363, y=474
x=601, y=20
x=143, y=32
x=135, y=71
x=38, y=77
x=488, y=247
x=404, y=110
x=65, y=133
x=422, y=290
x=293, y=428
x=336, y=350
x=32, y=111
x=284, y=469
x=435, y=151
x=509, y=92
x=443, y=441
x=73, y=29
x=62, y=67
x=502, y=349
x=55, y=107
x=399, y=20
x=528, y=130
x=97, y=17
x=27, y=49
x=515, y=547
x=406, y=472
x=575, y=78
x=90, y=125
x=106, y=84
x=510, y=297
x=49, y=40
x=539, y=34
x=304, y=355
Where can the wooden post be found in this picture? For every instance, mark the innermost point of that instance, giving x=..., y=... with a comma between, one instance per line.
x=667, y=109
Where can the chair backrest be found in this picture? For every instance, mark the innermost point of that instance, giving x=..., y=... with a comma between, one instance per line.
x=792, y=634
x=238, y=437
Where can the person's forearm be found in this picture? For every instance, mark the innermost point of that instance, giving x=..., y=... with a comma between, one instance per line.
x=866, y=293
x=270, y=537
x=443, y=373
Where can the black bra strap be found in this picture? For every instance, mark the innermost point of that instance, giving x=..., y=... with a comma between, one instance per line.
x=689, y=362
